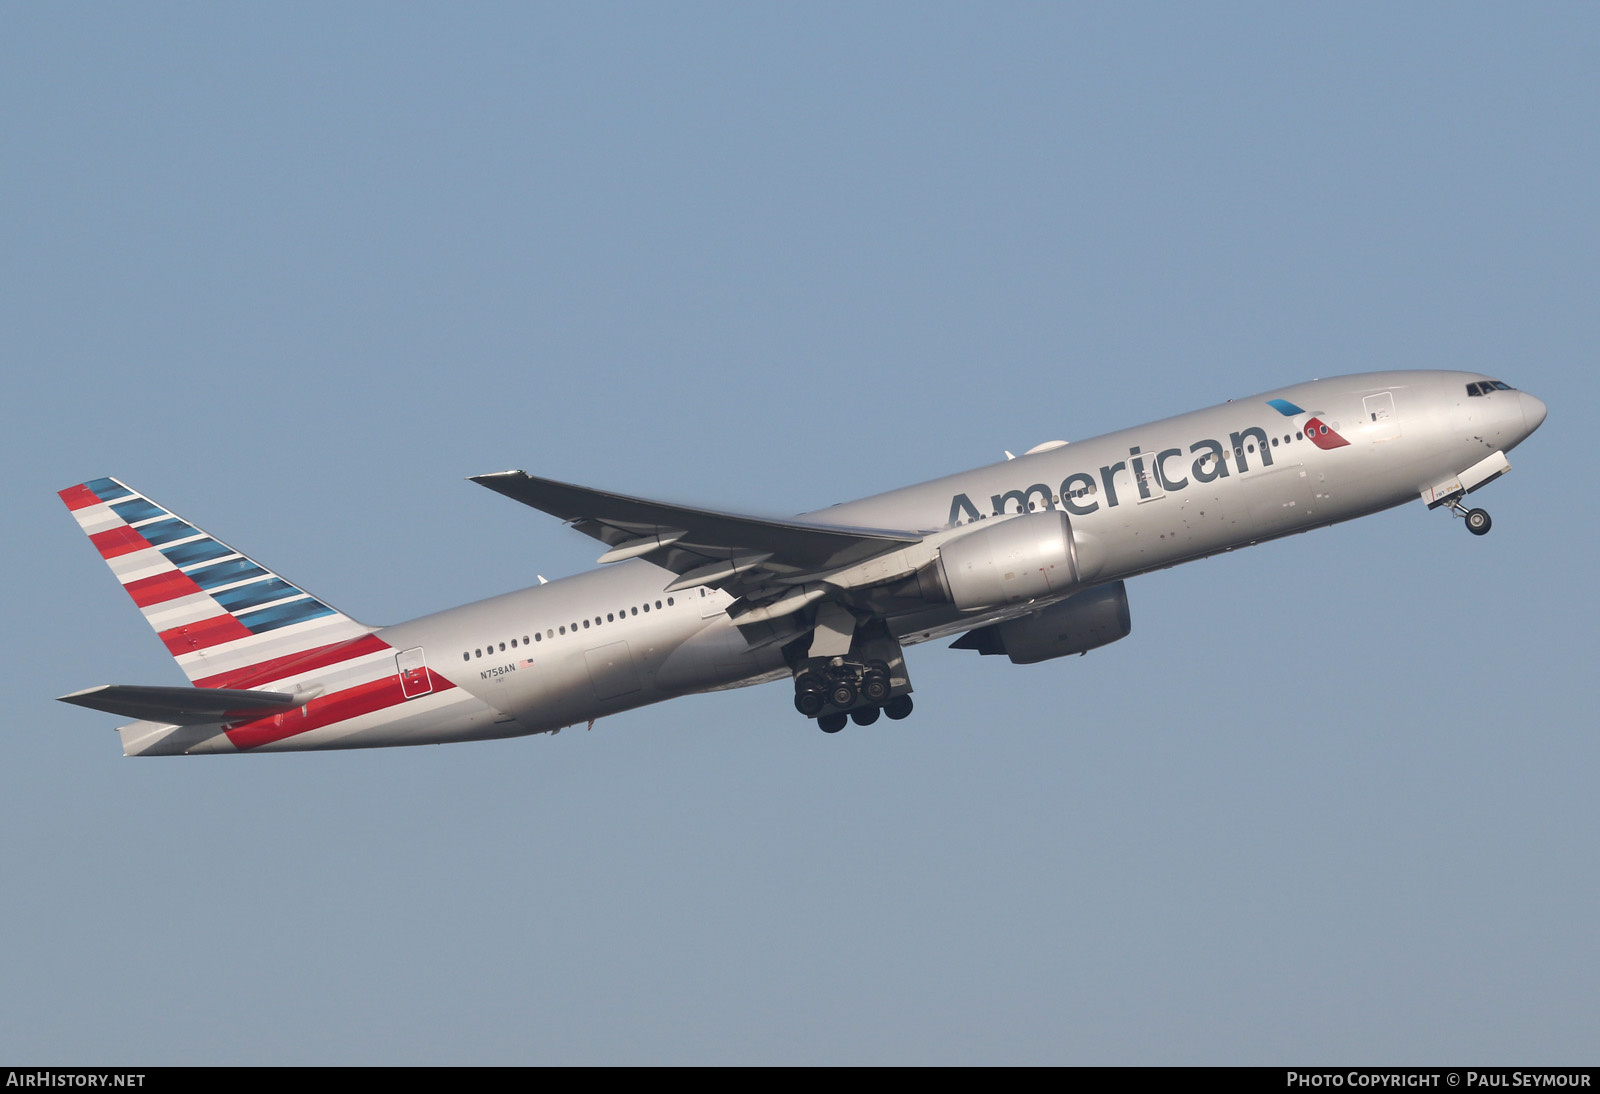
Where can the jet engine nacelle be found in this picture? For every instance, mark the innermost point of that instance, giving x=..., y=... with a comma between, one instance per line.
x=1091, y=619
x=1028, y=557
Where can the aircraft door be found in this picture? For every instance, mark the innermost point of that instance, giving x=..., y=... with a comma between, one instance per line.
x=413, y=669
x=1137, y=481
x=1146, y=483
x=713, y=602
x=1382, y=425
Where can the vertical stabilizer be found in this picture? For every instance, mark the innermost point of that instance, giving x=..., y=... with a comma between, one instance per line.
x=229, y=621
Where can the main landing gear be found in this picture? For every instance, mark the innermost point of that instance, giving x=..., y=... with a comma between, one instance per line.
x=856, y=692
x=841, y=684
x=850, y=675
x=897, y=708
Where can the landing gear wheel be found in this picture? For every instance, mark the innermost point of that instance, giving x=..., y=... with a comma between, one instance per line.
x=842, y=693
x=809, y=703
x=875, y=688
x=1478, y=522
x=810, y=694
x=831, y=723
x=864, y=716
x=898, y=707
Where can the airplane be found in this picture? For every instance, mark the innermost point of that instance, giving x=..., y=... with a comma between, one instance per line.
x=1025, y=558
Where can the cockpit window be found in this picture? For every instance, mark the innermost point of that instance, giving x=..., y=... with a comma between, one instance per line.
x=1487, y=386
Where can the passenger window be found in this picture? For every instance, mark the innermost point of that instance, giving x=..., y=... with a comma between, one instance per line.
x=466, y=657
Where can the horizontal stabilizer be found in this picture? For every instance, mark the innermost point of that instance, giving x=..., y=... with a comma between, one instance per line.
x=183, y=706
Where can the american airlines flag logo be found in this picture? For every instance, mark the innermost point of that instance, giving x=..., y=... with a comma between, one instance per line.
x=1316, y=430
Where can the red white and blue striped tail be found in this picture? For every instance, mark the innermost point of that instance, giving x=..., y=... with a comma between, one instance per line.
x=229, y=621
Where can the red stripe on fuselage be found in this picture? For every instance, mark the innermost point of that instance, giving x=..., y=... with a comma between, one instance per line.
x=120, y=540
x=78, y=497
x=204, y=634
x=161, y=588
x=327, y=710
x=293, y=664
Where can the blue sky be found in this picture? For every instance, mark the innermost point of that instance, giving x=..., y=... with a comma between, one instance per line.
x=297, y=271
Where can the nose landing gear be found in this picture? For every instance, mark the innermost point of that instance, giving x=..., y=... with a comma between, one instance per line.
x=1478, y=522
x=1450, y=492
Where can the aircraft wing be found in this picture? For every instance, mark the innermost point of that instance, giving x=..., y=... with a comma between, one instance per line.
x=724, y=550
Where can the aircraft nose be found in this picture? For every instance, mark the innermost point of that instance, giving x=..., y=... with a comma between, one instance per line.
x=1533, y=411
